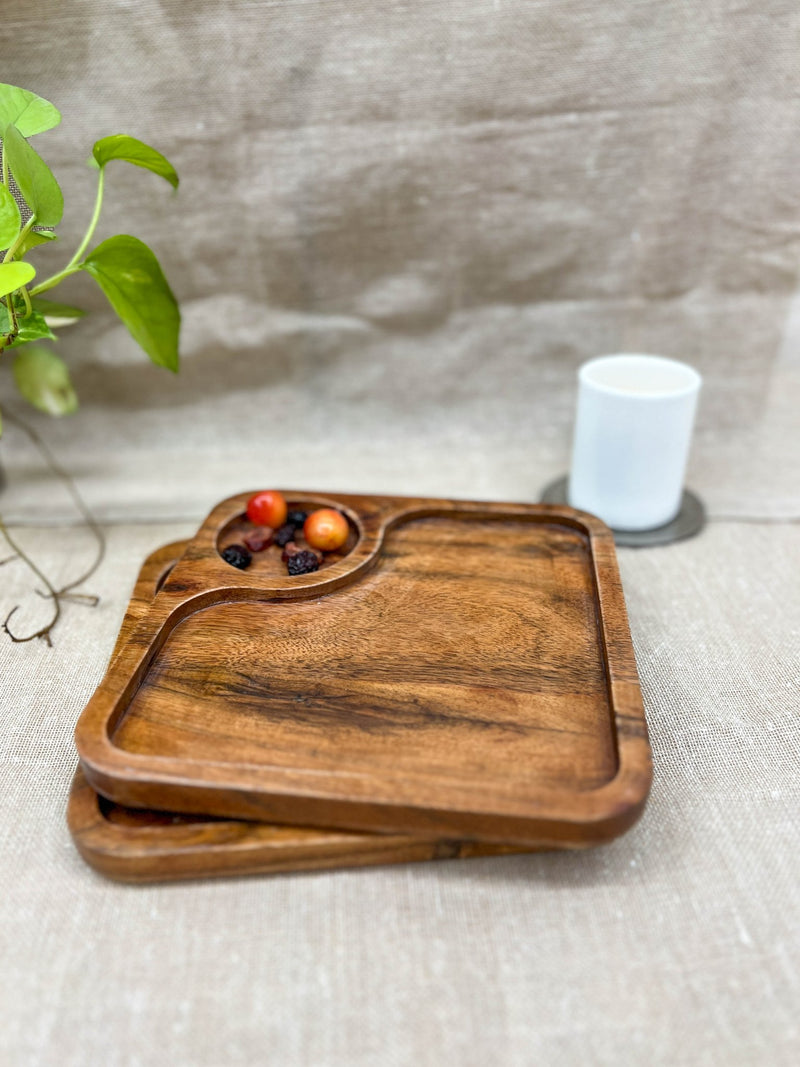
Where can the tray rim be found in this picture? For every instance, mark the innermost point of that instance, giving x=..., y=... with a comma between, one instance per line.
x=562, y=818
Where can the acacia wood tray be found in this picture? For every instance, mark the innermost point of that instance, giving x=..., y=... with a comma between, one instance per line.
x=137, y=845
x=463, y=670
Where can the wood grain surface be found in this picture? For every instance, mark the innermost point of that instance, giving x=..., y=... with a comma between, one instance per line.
x=465, y=670
x=138, y=845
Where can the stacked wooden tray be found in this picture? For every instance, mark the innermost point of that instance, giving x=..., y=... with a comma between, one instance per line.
x=458, y=680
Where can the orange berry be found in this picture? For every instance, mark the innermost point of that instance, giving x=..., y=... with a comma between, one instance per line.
x=326, y=529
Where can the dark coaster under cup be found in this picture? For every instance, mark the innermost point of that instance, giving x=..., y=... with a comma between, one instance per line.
x=689, y=521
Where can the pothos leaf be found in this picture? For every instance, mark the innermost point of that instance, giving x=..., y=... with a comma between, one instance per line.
x=132, y=150
x=56, y=314
x=131, y=278
x=35, y=179
x=10, y=222
x=28, y=112
x=14, y=275
x=33, y=238
x=43, y=380
x=33, y=328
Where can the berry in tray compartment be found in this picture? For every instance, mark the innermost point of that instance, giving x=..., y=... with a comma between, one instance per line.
x=319, y=536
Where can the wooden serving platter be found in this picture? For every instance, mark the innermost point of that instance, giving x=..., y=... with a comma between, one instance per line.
x=137, y=845
x=464, y=670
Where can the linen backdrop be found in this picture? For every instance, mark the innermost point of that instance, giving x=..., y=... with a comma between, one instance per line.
x=401, y=226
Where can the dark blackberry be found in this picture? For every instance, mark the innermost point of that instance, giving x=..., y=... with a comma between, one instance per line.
x=284, y=534
x=303, y=562
x=296, y=518
x=237, y=556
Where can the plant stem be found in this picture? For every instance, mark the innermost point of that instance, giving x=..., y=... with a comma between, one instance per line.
x=65, y=592
x=49, y=283
x=44, y=633
x=98, y=203
x=19, y=239
x=12, y=314
x=74, y=264
x=77, y=499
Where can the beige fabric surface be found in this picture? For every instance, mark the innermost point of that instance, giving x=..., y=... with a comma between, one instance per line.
x=677, y=944
x=400, y=229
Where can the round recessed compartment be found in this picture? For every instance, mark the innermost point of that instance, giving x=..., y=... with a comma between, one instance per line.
x=268, y=561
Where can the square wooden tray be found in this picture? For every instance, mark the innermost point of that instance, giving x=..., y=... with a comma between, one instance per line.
x=464, y=670
x=138, y=845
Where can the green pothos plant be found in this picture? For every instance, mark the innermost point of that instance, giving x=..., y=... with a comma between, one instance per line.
x=127, y=271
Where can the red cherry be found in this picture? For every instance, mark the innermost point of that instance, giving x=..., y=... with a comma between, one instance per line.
x=267, y=509
x=326, y=529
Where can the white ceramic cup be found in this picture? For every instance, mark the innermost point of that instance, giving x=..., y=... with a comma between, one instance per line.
x=633, y=429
